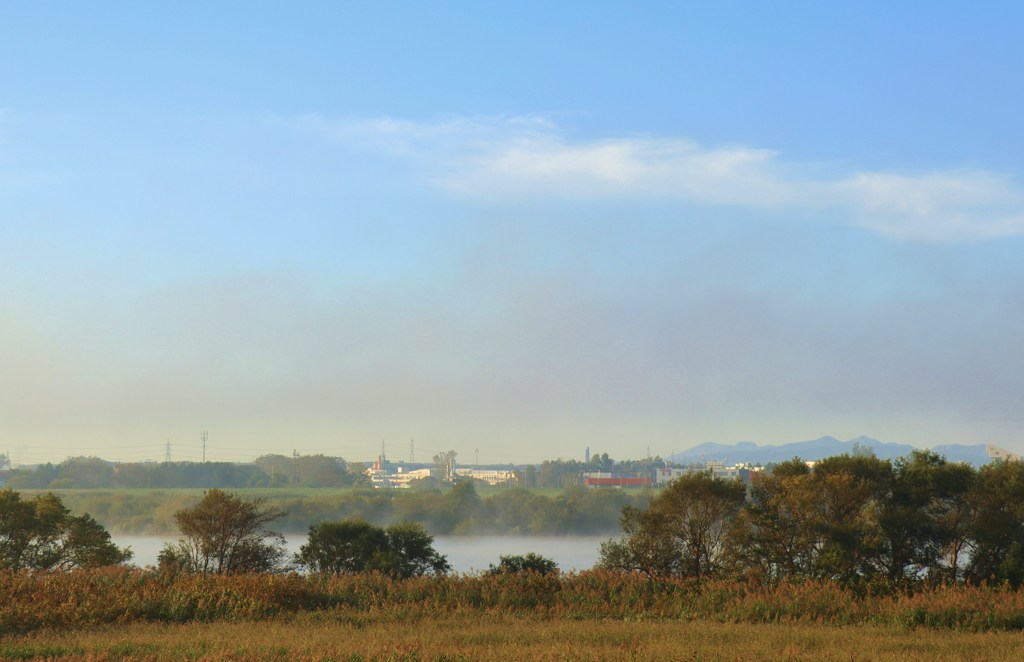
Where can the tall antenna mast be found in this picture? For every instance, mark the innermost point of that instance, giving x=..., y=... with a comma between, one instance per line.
x=203, y=436
x=167, y=452
x=412, y=452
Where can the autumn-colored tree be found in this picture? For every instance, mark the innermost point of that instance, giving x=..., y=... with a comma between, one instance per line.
x=225, y=534
x=773, y=536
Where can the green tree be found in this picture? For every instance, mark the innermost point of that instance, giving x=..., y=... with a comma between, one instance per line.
x=642, y=548
x=225, y=534
x=38, y=479
x=954, y=513
x=773, y=536
x=683, y=531
x=348, y=546
x=519, y=563
x=601, y=462
x=842, y=523
x=924, y=518
x=411, y=552
x=310, y=470
x=997, y=526
x=86, y=473
x=43, y=535
x=821, y=524
x=461, y=504
x=353, y=546
x=856, y=516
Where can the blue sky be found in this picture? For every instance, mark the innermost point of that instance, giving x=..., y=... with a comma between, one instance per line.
x=519, y=229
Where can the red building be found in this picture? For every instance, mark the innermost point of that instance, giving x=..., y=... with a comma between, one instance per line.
x=615, y=481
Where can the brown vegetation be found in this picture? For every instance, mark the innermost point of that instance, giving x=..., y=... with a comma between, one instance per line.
x=121, y=613
x=31, y=601
x=338, y=635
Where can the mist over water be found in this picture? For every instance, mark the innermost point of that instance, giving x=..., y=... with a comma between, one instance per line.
x=478, y=552
x=465, y=553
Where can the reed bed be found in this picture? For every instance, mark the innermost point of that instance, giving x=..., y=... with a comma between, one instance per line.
x=118, y=596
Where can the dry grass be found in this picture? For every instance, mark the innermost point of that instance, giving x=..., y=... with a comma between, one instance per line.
x=125, y=614
x=336, y=635
x=121, y=596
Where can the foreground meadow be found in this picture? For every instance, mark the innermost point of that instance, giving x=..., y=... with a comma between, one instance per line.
x=131, y=614
x=469, y=635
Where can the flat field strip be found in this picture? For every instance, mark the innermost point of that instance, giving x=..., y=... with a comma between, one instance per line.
x=336, y=635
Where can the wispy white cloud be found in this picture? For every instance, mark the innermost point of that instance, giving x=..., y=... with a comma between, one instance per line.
x=937, y=206
x=633, y=167
x=524, y=158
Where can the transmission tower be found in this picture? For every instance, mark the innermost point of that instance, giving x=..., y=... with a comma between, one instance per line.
x=295, y=466
x=167, y=452
x=203, y=436
x=412, y=452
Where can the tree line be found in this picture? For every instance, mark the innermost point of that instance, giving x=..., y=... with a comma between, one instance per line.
x=225, y=534
x=280, y=471
x=849, y=518
x=265, y=471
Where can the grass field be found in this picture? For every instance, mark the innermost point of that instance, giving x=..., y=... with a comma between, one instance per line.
x=126, y=614
x=336, y=635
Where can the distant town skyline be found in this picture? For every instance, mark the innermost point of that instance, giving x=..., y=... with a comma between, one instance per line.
x=524, y=229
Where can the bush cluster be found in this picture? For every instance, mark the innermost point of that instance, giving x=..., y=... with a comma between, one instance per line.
x=855, y=520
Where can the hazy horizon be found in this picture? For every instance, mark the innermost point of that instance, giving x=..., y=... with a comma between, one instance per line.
x=513, y=231
x=400, y=456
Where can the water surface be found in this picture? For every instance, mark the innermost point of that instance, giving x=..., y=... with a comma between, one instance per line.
x=465, y=553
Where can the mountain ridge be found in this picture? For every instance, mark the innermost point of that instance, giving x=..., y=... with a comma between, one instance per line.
x=820, y=448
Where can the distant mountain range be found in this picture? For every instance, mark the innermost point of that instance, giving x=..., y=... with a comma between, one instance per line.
x=749, y=452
